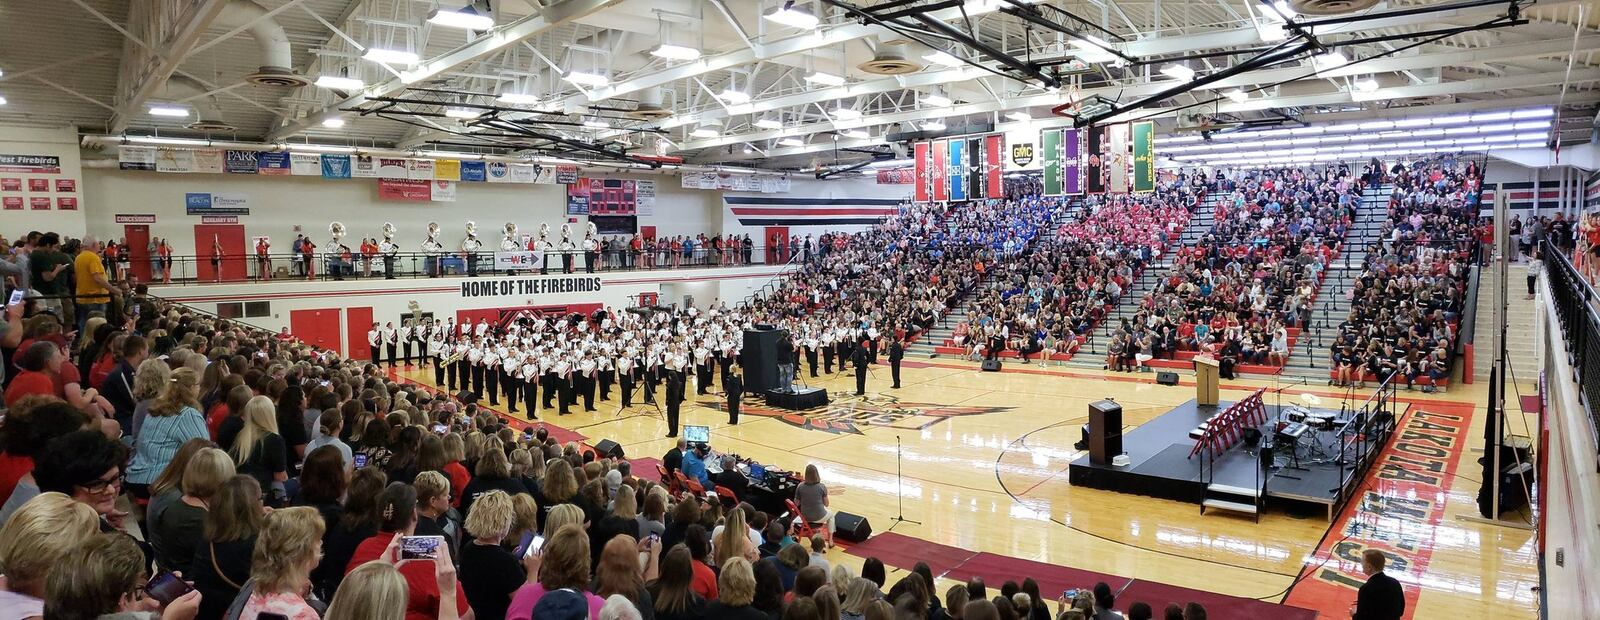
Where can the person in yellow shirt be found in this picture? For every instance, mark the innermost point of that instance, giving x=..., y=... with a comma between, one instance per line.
x=94, y=289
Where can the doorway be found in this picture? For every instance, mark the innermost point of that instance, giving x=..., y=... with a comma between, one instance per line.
x=228, y=237
x=136, y=242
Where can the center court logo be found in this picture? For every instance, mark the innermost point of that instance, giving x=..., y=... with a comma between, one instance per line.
x=848, y=413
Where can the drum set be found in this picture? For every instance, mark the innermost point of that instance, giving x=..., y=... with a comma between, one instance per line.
x=1301, y=434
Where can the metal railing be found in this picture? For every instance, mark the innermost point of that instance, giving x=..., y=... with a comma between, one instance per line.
x=1364, y=434
x=204, y=269
x=1575, y=300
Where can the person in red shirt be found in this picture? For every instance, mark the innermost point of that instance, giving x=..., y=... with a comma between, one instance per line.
x=369, y=250
x=308, y=253
x=422, y=593
x=263, y=260
x=42, y=364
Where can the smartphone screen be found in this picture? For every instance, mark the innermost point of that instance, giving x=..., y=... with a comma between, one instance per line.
x=16, y=297
x=534, y=546
x=166, y=587
x=361, y=461
x=440, y=429
x=420, y=547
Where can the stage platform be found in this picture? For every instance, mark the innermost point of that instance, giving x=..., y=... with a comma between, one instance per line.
x=1160, y=466
x=799, y=399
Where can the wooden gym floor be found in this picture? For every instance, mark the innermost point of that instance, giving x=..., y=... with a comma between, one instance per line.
x=984, y=459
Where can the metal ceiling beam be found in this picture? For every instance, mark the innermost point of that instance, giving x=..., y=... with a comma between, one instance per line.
x=166, y=60
x=494, y=41
x=1383, y=65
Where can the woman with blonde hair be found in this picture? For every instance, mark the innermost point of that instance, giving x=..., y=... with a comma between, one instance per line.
x=859, y=594
x=373, y=591
x=524, y=518
x=618, y=571
x=289, y=547
x=561, y=515
x=176, y=531
x=490, y=573
x=104, y=577
x=149, y=381
x=562, y=564
x=455, y=451
x=174, y=419
x=734, y=540
x=736, y=589
x=38, y=535
x=259, y=451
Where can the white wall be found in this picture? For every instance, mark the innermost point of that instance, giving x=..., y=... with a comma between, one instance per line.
x=1570, y=488
x=849, y=186
x=60, y=142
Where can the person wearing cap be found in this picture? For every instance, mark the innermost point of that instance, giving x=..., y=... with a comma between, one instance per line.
x=694, y=465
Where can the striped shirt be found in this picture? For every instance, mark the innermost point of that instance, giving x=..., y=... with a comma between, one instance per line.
x=159, y=438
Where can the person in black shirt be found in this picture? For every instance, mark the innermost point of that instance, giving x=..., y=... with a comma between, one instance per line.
x=733, y=384
x=490, y=573
x=1381, y=597
x=493, y=473
x=736, y=589
x=731, y=478
x=897, y=352
x=670, y=593
x=673, y=460
x=860, y=359
x=291, y=414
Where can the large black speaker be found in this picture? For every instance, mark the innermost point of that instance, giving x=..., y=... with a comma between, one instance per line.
x=1167, y=378
x=467, y=397
x=851, y=528
x=608, y=449
x=991, y=365
x=760, y=358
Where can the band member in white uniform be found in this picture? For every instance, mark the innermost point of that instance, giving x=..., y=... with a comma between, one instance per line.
x=374, y=339
x=389, y=341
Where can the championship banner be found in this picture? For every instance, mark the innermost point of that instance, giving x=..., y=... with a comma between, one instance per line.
x=520, y=260
x=921, y=151
x=993, y=145
x=1071, y=156
x=958, y=170
x=1116, y=159
x=1051, y=141
x=1144, y=156
x=936, y=178
x=975, y=167
x=1095, y=171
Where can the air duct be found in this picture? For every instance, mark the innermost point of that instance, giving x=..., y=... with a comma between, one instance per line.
x=277, y=64
x=892, y=57
x=649, y=107
x=208, y=116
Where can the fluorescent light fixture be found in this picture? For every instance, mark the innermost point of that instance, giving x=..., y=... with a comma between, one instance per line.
x=171, y=141
x=1021, y=117
x=393, y=57
x=517, y=98
x=1280, y=11
x=462, y=113
x=595, y=123
x=1537, y=113
x=1532, y=125
x=1485, y=117
x=936, y=100
x=1178, y=71
x=935, y=125
x=846, y=114
x=792, y=16
x=586, y=78
x=767, y=122
x=2, y=100
x=1269, y=30
x=791, y=142
x=333, y=122
x=340, y=83
x=733, y=96
x=675, y=52
x=322, y=148
x=169, y=110
x=460, y=19
x=825, y=79
x=1093, y=49
x=1236, y=95
x=855, y=133
x=941, y=57
x=1365, y=85
x=1330, y=60
x=704, y=131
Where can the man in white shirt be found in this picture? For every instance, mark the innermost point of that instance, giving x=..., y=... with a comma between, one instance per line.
x=491, y=375
x=587, y=367
x=374, y=338
x=387, y=335
x=406, y=339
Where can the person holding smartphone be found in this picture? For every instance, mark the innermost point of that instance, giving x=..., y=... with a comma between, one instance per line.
x=490, y=573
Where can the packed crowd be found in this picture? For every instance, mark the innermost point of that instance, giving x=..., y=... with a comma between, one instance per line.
x=1237, y=291
x=1407, y=302
x=1048, y=300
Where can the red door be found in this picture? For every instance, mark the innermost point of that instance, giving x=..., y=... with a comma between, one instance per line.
x=230, y=237
x=776, y=239
x=136, y=241
x=647, y=232
x=357, y=322
x=318, y=328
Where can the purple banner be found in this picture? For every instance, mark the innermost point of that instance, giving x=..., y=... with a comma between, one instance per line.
x=1071, y=174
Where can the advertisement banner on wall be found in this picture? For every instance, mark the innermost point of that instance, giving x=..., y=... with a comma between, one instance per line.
x=10, y=184
x=208, y=161
x=335, y=166
x=239, y=162
x=305, y=164
x=498, y=172
x=272, y=164
x=174, y=160
x=364, y=167
x=405, y=190
x=67, y=203
x=216, y=203
x=473, y=171
x=441, y=190
x=578, y=198
x=520, y=260
x=524, y=173
x=136, y=158
x=1144, y=156
x=66, y=186
x=544, y=175
x=897, y=176
x=644, y=197
x=447, y=170
x=31, y=164
x=39, y=203
x=420, y=170
x=11, y=203
x=393, y=168
x=566, y=175
x=38, y=185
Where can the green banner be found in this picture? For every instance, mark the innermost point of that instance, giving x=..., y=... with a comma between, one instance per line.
x=1144, y=156
x=1051, y=142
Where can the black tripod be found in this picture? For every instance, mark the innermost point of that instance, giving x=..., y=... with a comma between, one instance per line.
x=900, y=498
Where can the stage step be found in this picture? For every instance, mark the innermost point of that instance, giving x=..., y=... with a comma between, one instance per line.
x=1232, y=498
x=1232, y=490
x=1222, y=504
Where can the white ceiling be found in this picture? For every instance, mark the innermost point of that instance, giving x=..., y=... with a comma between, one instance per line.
x=77, y=62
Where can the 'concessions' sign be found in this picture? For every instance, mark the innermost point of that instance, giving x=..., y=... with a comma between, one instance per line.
x=136, y=218
x=530, y=286
x=35, y=164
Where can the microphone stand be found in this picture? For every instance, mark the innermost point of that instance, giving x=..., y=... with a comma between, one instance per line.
x=900, y=498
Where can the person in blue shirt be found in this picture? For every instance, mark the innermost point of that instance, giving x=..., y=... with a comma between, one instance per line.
x=694, y=465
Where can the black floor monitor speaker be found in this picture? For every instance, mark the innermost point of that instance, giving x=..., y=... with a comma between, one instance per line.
x=991, y=365
x=467, y=397
x=760, y=358
x=1167, y=378
x=608, y=449
x=851, y=528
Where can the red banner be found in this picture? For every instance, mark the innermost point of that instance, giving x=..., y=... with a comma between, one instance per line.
x=11, y=203
x=67, y=203
x=39, y=203
x=992, y=146
x=898, y=176
x=941, y=186
x=921, y=150
x=404, y=190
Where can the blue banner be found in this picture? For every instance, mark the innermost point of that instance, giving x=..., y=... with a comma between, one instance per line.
x=474, y=171
x=958, y=170
x=240, y=162
x=335, y=166
x=276, y=164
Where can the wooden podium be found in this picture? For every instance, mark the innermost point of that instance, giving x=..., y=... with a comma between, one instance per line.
x=1205, y=380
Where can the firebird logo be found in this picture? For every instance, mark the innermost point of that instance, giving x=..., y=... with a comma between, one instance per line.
x=847, y=413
